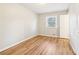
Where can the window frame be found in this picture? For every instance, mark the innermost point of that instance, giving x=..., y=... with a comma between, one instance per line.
x=47, y=18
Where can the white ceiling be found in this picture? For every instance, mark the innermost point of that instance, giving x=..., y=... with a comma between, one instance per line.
x=48, y=7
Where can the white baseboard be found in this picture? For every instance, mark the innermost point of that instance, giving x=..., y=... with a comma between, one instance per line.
x=53, y=36
x=73, y=47
x=49, y=35
x=17, y=43
x=64, y=37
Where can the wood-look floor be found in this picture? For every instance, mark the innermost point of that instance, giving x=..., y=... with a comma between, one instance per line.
x=41, y=45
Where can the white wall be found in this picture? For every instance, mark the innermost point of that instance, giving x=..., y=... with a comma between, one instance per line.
x=1, y=25
x=74, y=27
x=17, y=22
x=73, y=8
x=42, y=23
x=64, y=26
x=43, y=29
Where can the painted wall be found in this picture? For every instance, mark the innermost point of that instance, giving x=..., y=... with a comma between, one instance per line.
x=17, y=23
x=74, y=27
x=1, y=26
x=42, y=23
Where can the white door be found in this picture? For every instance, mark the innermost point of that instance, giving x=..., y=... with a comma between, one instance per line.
x=64, y=26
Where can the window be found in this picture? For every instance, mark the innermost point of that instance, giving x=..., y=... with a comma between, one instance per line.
x=51, y=21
